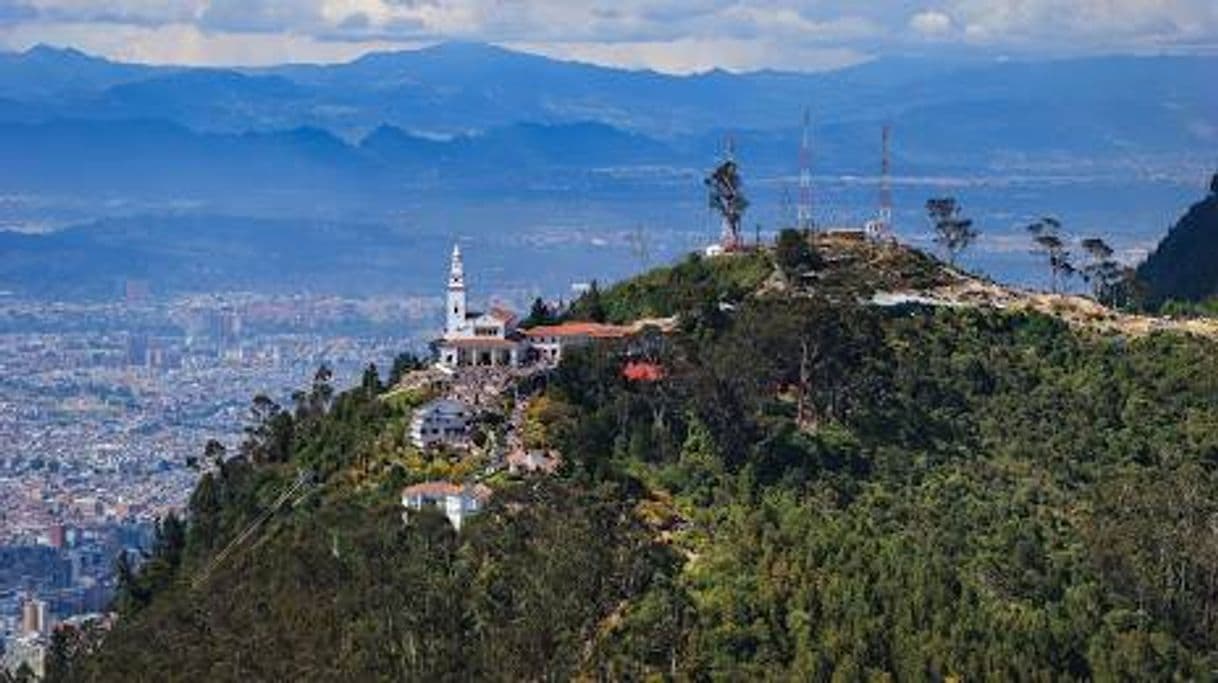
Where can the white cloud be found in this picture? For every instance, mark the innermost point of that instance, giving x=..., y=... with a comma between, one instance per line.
x=185, y=44
x=664, y=34
x=931, y=23
x=135, y=12
x=1095, y=24
x=692, y=55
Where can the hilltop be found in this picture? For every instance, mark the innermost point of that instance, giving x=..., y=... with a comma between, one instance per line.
x=839, y=470
x=862, y=272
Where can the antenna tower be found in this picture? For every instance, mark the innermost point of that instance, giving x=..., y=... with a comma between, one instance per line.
x=803, y=216
x=885, y=217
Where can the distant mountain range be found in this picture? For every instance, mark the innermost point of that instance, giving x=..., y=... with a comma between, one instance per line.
x=468, y=112
x=159, y=158
x=970, y=108
x=418, y=138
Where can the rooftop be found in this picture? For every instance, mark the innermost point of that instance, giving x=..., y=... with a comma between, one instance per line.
x=581, y=329
x=438, y=489
x=501, y=314
x=481, y=343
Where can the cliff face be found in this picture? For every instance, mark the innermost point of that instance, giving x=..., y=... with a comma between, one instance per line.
x=1185, y=264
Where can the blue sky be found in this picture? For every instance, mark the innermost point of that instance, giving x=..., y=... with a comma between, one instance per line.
x=667, y=35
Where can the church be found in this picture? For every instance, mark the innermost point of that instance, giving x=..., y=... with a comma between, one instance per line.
x=477, y=339
x=494, y=338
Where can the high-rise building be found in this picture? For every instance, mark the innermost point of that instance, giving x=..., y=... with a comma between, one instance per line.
x=57, y=536
x=34, y=617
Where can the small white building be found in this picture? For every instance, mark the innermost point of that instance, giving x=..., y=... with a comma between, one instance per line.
x=29, y=650
x=523, y=461
x=443, y=421
x=458, y=502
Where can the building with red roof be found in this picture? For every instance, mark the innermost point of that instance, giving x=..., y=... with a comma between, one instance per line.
x=494, y=339
x=549, y=341
x=457, y=501
x=473, y=338
x=642, y=371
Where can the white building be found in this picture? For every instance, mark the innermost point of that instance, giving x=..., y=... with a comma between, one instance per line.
x=472, y=338
x=443, y=421
x=532, y=461
x=457, y=502
x=494, y=339
x=547, y=342
x=27, y=650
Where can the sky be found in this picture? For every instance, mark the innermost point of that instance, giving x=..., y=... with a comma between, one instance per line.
x=676, y=36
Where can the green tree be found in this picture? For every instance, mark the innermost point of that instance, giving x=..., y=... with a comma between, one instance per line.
x=321, y=394
x=269, y=434
x=725, y=195
x=1104, y=273
x=701, y=463
x=591, y=305
x=69, y=647
x=539, y=314
x=403, y=363
x=214, y=453
x=794, y=253
x=129, y=595
x=370, y=383
x=23, y=674
x=1050, y=241
x=953, y=232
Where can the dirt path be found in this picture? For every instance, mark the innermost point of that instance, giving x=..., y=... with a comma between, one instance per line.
x=1076, y=310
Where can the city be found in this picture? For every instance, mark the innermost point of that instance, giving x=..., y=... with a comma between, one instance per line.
x=104, y=405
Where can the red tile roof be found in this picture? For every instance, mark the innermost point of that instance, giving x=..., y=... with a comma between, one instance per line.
x=437, y=489
x=581, y=329
x=501, y=314
x=639, y=371
x=432, y=488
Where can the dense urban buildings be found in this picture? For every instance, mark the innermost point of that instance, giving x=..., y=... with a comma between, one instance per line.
x=104, y=408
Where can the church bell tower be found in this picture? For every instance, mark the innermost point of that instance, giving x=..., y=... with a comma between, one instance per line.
x=456, y=295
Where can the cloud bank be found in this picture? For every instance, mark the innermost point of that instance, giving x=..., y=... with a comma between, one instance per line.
x=669, y=35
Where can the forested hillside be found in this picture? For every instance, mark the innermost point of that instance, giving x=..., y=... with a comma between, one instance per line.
x=1184, y=266
x=813, y=488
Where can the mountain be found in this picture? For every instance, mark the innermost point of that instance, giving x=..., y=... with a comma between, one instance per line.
x=803, y=487
x=44, y=74
x=454, y=87
x=148, y=158
x=1184, y=266
x=205, y=99
x=521, y=147
x=460, y=88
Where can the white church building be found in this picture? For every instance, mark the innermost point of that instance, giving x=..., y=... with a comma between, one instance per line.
x=473, y=338
x=493, y=338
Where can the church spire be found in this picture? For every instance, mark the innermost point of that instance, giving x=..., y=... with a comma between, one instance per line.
x=456, y=272
x=456, y=325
